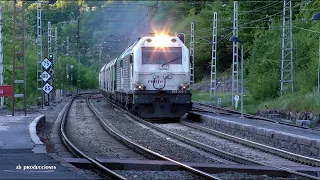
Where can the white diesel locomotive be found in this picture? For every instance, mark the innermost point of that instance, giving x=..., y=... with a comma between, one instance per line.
x=150, y=78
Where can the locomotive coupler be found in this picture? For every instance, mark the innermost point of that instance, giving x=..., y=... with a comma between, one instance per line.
x=173, y=107
x=151, y=110
x=161, y=103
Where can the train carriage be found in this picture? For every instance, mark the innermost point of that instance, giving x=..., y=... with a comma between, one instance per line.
x=151, y=77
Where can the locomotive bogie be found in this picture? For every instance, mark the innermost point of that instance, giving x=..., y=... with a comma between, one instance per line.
x=152, y=104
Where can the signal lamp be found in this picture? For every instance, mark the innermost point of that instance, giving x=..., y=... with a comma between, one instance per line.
x=50, y=57
x=173, y=40
x=149, y=40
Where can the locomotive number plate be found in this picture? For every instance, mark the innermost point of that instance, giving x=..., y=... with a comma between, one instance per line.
x=179, y=91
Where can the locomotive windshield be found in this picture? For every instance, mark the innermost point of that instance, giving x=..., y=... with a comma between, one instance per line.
x=163, y=55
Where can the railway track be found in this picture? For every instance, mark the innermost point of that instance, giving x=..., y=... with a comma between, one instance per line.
x=255, y=154
x=116, y=134
x=146, y=152
x=279, y=152
x=201, y=107
x=227, y=155
x=77, y=152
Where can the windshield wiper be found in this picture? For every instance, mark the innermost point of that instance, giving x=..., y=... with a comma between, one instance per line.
x=170, y=61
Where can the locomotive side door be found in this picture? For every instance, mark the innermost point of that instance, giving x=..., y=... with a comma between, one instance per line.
x=131, y=70
x=121, y=75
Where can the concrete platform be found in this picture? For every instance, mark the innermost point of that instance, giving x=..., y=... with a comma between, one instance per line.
x=23, y=155
x=305, y=139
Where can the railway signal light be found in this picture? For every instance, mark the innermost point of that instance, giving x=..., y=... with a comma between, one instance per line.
x=50, y=57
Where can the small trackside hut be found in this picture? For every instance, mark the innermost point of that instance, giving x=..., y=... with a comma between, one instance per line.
x=150, y=78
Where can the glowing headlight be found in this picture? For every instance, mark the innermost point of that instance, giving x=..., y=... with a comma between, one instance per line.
x=140, y=87
x=185, y=86
x=161, y=40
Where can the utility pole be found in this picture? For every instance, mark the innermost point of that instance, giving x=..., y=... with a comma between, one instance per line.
x=235, y=67
x=40, y=99
x=47, y=99
x=1, y=54
x=286, y=82
x=49, y=37
x=55, y=59
x=78, y=46
x=18, y=55
x=213, y=80
x=100, y=52
x=67, y=65
x=192, y=56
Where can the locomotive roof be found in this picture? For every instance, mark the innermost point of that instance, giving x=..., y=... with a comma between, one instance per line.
x=142, y=42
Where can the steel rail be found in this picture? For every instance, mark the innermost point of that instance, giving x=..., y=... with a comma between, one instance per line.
x=265, y=148
x=250, y=116
x=77, y=152
x=226, y=154
x=216, y=151
x=141, y=148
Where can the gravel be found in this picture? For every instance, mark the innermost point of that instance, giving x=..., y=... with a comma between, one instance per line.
x=145, y=137
x=245, y=176
x=154, y=141
x=287, y=146
x=157, y=175
x=54, y=109
x=51, y=127
x=229, y=146
x=51, y=112
x=178, y=175
x=85, y=131
x=294, y=148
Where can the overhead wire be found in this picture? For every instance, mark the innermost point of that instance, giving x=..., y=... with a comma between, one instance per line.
x=260, y=8
x=261, y=19
x=306, y=29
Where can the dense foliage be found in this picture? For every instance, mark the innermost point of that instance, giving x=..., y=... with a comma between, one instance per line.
x=106, y=28
x=61, y=15
x=260, y=26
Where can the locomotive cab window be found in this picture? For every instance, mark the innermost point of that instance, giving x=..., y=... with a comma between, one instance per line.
x=159, y=55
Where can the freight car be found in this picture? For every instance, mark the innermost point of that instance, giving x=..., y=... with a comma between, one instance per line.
x=151, y=78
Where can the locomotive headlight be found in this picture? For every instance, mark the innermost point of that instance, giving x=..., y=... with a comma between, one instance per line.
x=161, y=40
x=140, y=87
x=185, y=86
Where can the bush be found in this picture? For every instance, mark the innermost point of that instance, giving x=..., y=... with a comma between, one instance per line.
x=263, y=86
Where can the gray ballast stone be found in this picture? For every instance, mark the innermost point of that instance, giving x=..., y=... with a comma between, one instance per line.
x=306, y=144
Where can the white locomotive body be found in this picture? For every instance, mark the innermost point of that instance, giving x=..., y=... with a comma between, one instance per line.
x=150, y=78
